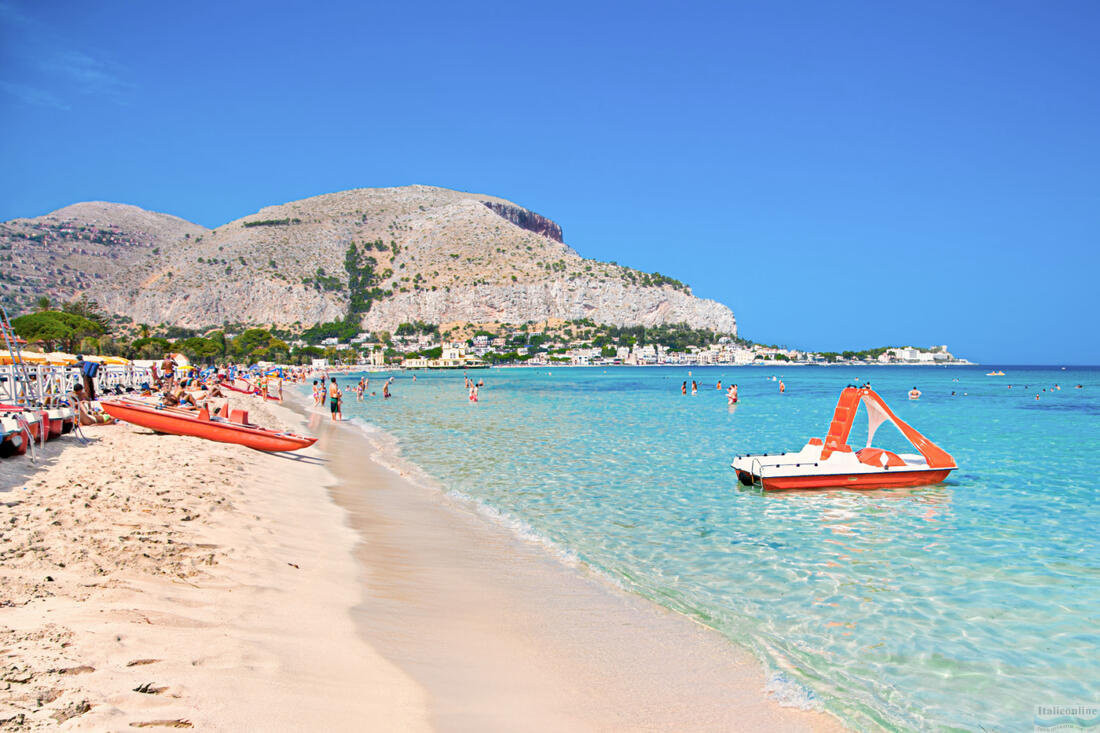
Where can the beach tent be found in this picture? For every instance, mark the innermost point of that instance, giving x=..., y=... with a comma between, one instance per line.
x=60, y=358
x=29, y=357
x=106, y=359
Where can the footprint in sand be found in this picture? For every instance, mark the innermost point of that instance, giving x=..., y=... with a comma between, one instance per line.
x=177, y=723
x=148, y=689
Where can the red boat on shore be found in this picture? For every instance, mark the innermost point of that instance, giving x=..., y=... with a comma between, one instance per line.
x=831, y=463
x=252, y=389
x=199, y=424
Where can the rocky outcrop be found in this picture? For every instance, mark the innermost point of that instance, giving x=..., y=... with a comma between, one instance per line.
x=528, y=220
x=423, y=253
x=603, y=302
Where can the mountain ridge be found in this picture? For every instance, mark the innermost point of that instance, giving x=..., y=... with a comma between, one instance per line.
x=381, y=255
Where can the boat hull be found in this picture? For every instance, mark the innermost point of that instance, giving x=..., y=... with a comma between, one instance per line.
x=231, y=388
x=884, y=480
x=178, y=423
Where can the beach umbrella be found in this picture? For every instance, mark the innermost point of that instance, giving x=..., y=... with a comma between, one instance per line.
x=29, y=357
x=60, y=357
x=180, y=360
x=117, y=360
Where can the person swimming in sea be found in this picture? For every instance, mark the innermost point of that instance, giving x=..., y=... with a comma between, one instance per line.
x=914, y=394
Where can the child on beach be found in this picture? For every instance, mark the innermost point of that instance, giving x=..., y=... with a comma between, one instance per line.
x=334, y=396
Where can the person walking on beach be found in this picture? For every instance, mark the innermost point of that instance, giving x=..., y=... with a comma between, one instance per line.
x=334, y=397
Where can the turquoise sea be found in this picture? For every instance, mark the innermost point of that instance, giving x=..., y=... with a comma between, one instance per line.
x=964, y=605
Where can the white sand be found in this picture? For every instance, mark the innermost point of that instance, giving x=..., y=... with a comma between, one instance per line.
x=239, y=591
x=219, y=577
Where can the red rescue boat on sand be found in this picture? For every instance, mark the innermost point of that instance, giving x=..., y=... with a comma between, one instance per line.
x=833, y=464
x=200, y=425
x=252, y=389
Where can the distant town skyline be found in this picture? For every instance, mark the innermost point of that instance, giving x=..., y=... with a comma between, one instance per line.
x=843, y=177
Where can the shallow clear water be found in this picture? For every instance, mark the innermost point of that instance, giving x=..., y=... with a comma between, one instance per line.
x=961, y=605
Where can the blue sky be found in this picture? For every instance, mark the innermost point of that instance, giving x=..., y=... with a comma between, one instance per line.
x=841, y=174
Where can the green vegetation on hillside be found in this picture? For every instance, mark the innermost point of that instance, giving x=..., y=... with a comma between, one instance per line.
x=363, y=282
x=271, y=223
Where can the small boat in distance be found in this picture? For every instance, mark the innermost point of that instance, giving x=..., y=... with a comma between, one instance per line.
x=199, y=424
x=833, y=464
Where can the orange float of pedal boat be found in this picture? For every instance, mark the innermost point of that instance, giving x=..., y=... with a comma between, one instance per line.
x=831, y=463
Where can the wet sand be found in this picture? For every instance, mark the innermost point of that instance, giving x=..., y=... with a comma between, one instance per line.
x=502, y=636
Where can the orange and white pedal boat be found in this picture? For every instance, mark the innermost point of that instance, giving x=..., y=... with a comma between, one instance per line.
x=200, y=424
x=833, y=464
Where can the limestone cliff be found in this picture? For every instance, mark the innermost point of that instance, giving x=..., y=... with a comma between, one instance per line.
x=388, y=255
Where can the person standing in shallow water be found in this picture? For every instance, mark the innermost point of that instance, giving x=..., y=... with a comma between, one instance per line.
x=684, y=387
x=694, y=387
x=782, y=387
x=334, y=396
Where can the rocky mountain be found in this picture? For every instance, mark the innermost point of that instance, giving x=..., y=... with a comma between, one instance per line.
x=80, y=248
x=383, y=255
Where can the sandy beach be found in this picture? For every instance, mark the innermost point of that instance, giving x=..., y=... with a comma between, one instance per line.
x=161, y=581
